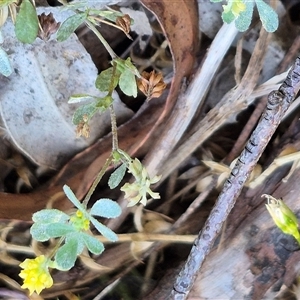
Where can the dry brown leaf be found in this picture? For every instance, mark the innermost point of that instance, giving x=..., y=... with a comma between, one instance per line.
x=179, y=22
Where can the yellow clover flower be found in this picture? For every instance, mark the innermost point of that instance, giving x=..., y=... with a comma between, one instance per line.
x=36, y=274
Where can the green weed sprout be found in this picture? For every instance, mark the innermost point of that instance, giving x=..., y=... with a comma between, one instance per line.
x=73, y=232
x=241, y=12
x=74, y=236
x=283, y=217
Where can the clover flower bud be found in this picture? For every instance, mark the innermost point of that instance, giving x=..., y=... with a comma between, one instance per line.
x=79, y=221
x=137, y=191
x=236, y=7
x=283, y=217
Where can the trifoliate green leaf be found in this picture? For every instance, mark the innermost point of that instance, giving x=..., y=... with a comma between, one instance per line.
x=106, y=208
x=86, y=110
x=117, y=176
x=69, y=26
x=5, y=66
x=77, y=98
x=127, y=83
x=105, y=231
x=50, y=216
x=105, y=78
x=243, y=21
x=268, y=16
x=27, y=25
x=93, y=245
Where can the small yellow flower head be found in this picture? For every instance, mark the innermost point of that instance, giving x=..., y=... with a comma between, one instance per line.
x=79, y=221
x=283, y=217
x=137, y=191
x=36, y=274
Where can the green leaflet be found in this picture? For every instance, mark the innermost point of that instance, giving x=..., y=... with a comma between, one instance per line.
x=70, y=25
x=267, y=15
x=105, y=231
x=27, y=26
x=104, y=80
x=117, y=176
x=106, y=208
x=94, y=245
x=127, y=83
x=66, y=255
x=87, y=110
x=243, y=21
x=50, y=216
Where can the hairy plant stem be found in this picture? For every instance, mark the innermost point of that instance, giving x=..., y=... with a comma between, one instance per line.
x=113, y=118
x=56, y=247
x=91, y=26
x=114, y=132
x=114, y=128
x=97, y=180
x=109, y=23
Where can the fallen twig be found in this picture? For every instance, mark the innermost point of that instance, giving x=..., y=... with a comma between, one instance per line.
x=278, y=103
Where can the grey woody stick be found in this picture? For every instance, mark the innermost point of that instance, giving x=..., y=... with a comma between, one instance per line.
x=278, y=103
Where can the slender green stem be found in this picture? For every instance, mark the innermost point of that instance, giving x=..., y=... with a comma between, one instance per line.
x=97, y=180
x=114, y=129
x=112, y=79
x=54, y=250
x=101, y=38
x=113, y=118
x=108, y=23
